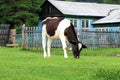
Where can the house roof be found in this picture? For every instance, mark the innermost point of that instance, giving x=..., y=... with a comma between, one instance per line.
x=82, y=8
x=112, y=17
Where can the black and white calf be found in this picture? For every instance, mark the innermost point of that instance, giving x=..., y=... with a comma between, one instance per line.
x=60, y=28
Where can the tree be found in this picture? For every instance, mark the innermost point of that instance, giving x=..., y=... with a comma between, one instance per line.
x=112, y=1
x=18, y=12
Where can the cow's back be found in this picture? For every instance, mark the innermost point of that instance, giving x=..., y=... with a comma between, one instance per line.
x=58, y=27
x=51, y=25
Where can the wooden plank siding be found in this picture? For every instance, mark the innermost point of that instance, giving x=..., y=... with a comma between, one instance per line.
x=32, y=39
x=4, y=34
x=48, y=10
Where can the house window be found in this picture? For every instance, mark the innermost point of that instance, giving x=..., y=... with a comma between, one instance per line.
x=49, y=10
x=74, y=22
x=119, y=28
x=85, y=23
x=102, y=29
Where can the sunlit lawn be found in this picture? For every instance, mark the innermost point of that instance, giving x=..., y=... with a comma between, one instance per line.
x=100, y=64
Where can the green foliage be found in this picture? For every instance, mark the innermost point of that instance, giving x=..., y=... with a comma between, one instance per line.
x=112, y=1
x=17, y=64
x=18, y=12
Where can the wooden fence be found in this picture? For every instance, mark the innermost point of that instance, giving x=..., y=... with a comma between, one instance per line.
x=101, y=39
x=31, y=39
x=4, y=34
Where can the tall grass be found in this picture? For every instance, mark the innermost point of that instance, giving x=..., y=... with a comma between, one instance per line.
x=17, y=64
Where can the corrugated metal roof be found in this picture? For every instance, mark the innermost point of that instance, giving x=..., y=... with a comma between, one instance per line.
x=82, y=8
x=113, y=17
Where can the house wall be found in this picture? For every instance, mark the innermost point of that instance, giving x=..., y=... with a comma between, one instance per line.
x=104, y=27
x=79, y=23
x=40, y=25
x=107, y=27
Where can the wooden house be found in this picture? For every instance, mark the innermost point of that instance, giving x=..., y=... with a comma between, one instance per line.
x=111, y=22
x=89, y=16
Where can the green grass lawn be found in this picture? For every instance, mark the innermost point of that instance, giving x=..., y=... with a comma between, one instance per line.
x=99, y=64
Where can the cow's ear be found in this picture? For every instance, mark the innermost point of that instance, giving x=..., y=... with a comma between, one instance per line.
x=84, y=46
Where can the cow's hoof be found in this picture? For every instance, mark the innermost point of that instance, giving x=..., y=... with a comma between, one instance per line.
x=45, y=56
x=65, y=57
x=49, y=56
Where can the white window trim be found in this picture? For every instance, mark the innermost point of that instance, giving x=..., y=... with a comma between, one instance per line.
x=73, y=22
x=85, y=23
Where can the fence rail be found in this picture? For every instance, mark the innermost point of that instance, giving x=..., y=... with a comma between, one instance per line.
x=4, y=34
x=31, y=38
x=101, y=39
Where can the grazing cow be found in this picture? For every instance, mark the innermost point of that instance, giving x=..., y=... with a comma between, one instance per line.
x=60, y=28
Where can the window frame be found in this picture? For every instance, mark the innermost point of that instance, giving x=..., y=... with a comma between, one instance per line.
x=85, y=23
x=74, y=22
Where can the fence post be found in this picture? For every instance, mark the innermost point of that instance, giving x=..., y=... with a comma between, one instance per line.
x=37, y=39
x=23, y=36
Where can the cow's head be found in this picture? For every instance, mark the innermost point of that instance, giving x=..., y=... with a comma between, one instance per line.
x=77, y=48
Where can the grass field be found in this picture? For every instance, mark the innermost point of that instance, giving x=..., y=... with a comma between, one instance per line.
x=99, y=64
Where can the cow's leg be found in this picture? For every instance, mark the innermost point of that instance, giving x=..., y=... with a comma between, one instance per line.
x=44, y=43
x=64, y=45
x=49, y=46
